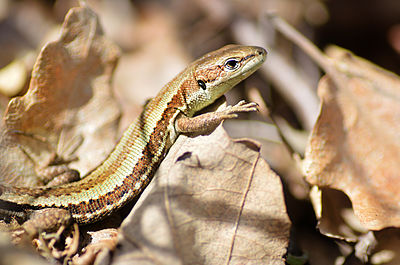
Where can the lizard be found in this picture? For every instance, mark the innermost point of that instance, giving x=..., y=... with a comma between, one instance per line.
x=127, y=170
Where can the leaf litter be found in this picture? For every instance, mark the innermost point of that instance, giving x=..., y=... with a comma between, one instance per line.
x=353, y=150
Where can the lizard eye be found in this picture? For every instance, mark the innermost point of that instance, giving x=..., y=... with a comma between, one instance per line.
x=232, y=64
x=202, y=84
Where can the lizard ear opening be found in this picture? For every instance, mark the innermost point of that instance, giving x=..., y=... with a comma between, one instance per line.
x=202, y=84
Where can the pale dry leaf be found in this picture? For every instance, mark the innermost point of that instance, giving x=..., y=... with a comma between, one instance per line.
x=69, y=98
x=212, y=201
x=354, y=146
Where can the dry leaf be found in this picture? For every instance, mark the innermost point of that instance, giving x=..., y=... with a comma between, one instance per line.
x=355, y=144
x=69, y=98
x=213, y=201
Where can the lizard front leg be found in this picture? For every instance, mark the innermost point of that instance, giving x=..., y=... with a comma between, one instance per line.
x=209, y=121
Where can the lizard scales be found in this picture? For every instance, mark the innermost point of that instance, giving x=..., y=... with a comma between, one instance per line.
x=136, y=157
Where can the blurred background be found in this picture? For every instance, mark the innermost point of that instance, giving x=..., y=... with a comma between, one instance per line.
x=158, y=38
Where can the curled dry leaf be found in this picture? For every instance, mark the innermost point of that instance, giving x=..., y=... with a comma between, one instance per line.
x=69, y=98
x=213, y=201
x=354, y=146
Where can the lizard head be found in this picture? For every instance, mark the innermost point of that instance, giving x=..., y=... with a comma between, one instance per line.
x=217, y=72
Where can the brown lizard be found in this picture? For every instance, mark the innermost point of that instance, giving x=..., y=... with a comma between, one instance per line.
x=136, y=157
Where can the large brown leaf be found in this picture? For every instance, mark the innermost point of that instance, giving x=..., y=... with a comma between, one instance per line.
x=213, y=201
x=69, y=100
x=355, y=144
